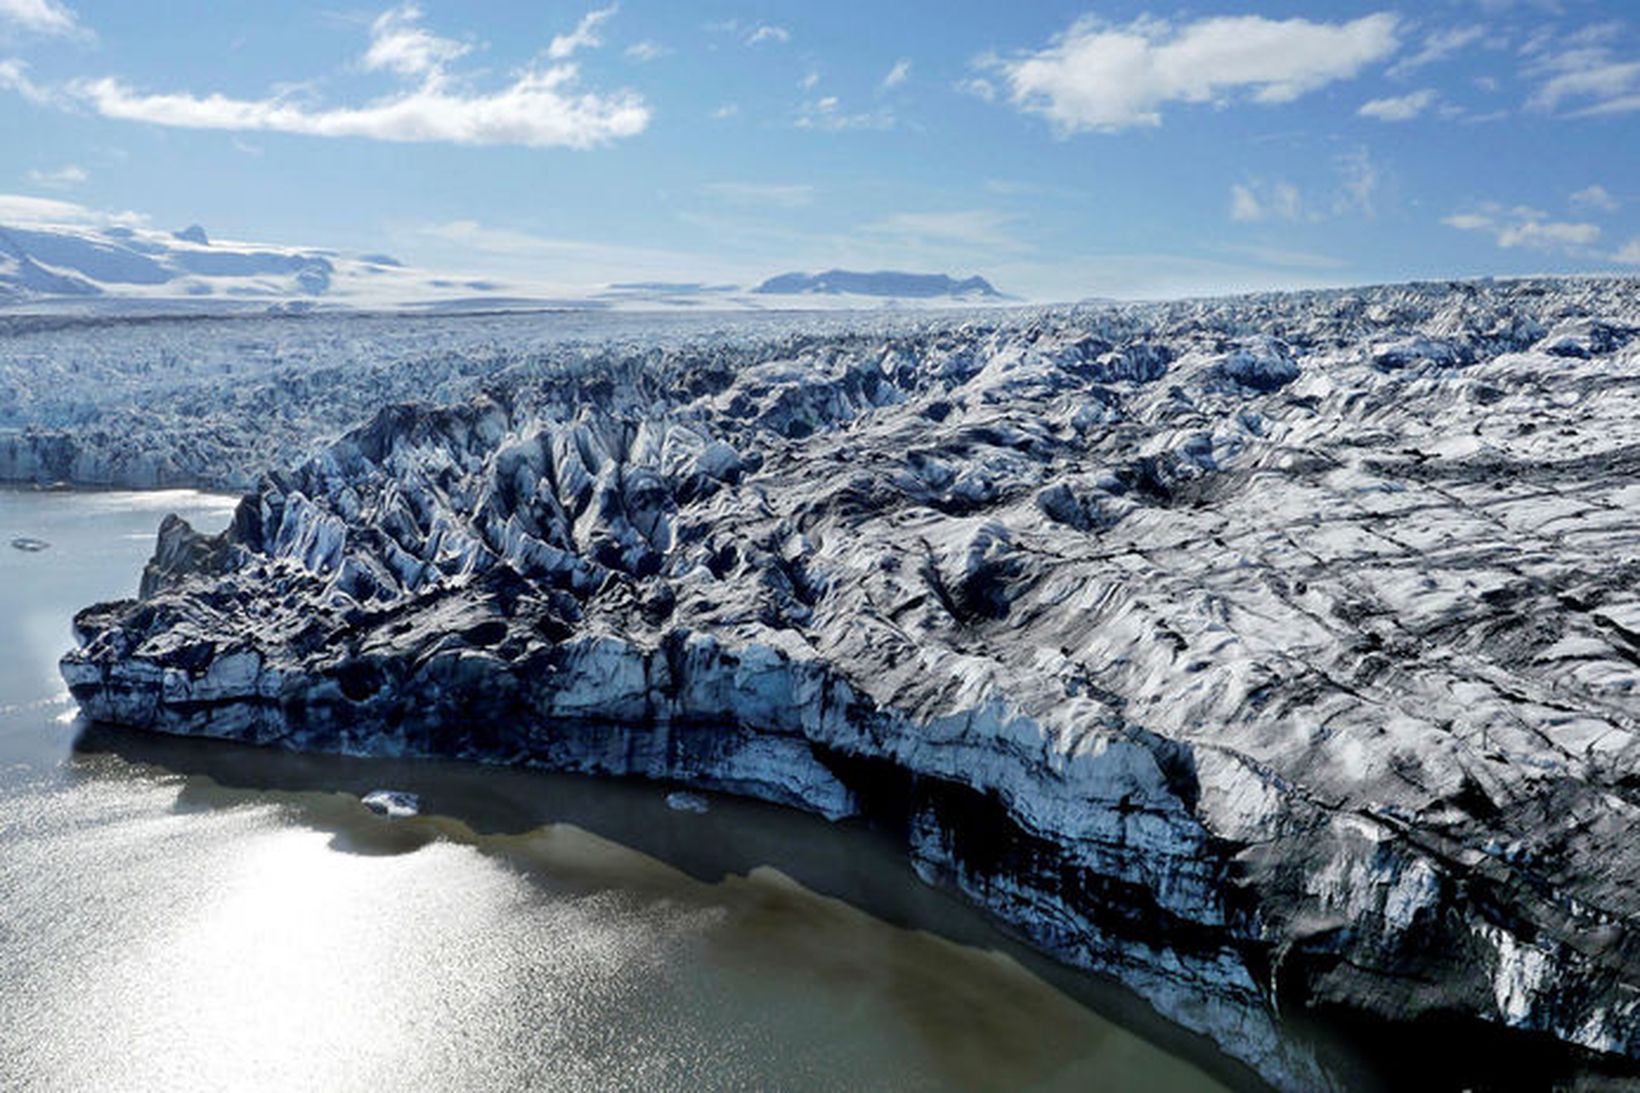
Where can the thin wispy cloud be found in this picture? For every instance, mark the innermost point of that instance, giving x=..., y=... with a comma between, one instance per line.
x=584, y=36
x=974, y=227
x=1596, y=198
x=1255, y=201
x=14, y=77
x=773, y=195
x=646, y=51
x=767, y=33
x=1400, y=107
x=1353, y=192
x=897, y=75
x=828, y=114
x=1359, y=179
x=1582, y=74
x=1101, y=77
x=541, y=106
x=59, y=178
x=29, y=210
x=1438, y=46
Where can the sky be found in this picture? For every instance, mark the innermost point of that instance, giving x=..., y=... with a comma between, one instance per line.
x=1062, y=150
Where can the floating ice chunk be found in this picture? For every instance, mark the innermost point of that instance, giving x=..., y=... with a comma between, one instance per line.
x=681, y=801
x=393, y=803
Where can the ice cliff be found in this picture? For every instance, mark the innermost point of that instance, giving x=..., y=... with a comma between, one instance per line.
x=1277, y=656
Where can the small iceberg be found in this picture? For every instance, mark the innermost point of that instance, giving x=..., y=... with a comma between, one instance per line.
x=30, y=544
x=687, y=802
x=393, y=803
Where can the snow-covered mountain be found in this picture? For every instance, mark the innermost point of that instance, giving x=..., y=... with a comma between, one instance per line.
x=56, y=261
x=122, y=268
x=891, y=283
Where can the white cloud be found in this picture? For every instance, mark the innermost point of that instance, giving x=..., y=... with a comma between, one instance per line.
x=60, y=177
x=766, y=33
x=1595, y=197
x=540, y=107
x=1439, y=45
x=584, y=36
x=1629, y=254
x=727, y=110
x=1399, y=108
x=398, y=44
x=810, y=81
x=778, y=195
x=1541, y=234
x=1255, y=201
x=646, y=51
x=898, y=74
x=40, y=16
x=23, y=209
x=1103, y=77
x=979, y=87
x=1523, y=227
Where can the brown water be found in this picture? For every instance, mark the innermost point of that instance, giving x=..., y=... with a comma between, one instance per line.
x=177, y=915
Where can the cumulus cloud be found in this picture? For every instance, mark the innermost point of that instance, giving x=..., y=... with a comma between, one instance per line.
x=584, y=36
x=1400, y=107
x=40, y=16
x=1524, y=227
x=1595, y=197
x=398, y=43
x=1629, y=254
x=898, y=74
x=1098, y=76
x=539, y=107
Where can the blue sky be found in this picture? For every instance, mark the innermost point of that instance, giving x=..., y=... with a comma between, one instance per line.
x=1061, y=149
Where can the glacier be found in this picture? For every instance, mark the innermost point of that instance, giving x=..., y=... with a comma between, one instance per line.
x=1274, y=655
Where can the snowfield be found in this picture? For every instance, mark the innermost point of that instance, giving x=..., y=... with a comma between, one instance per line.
x=1276, y=655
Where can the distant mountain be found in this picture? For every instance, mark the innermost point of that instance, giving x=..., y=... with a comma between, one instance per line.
x=912, y=286
x=53, y=260
x=117, y=269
